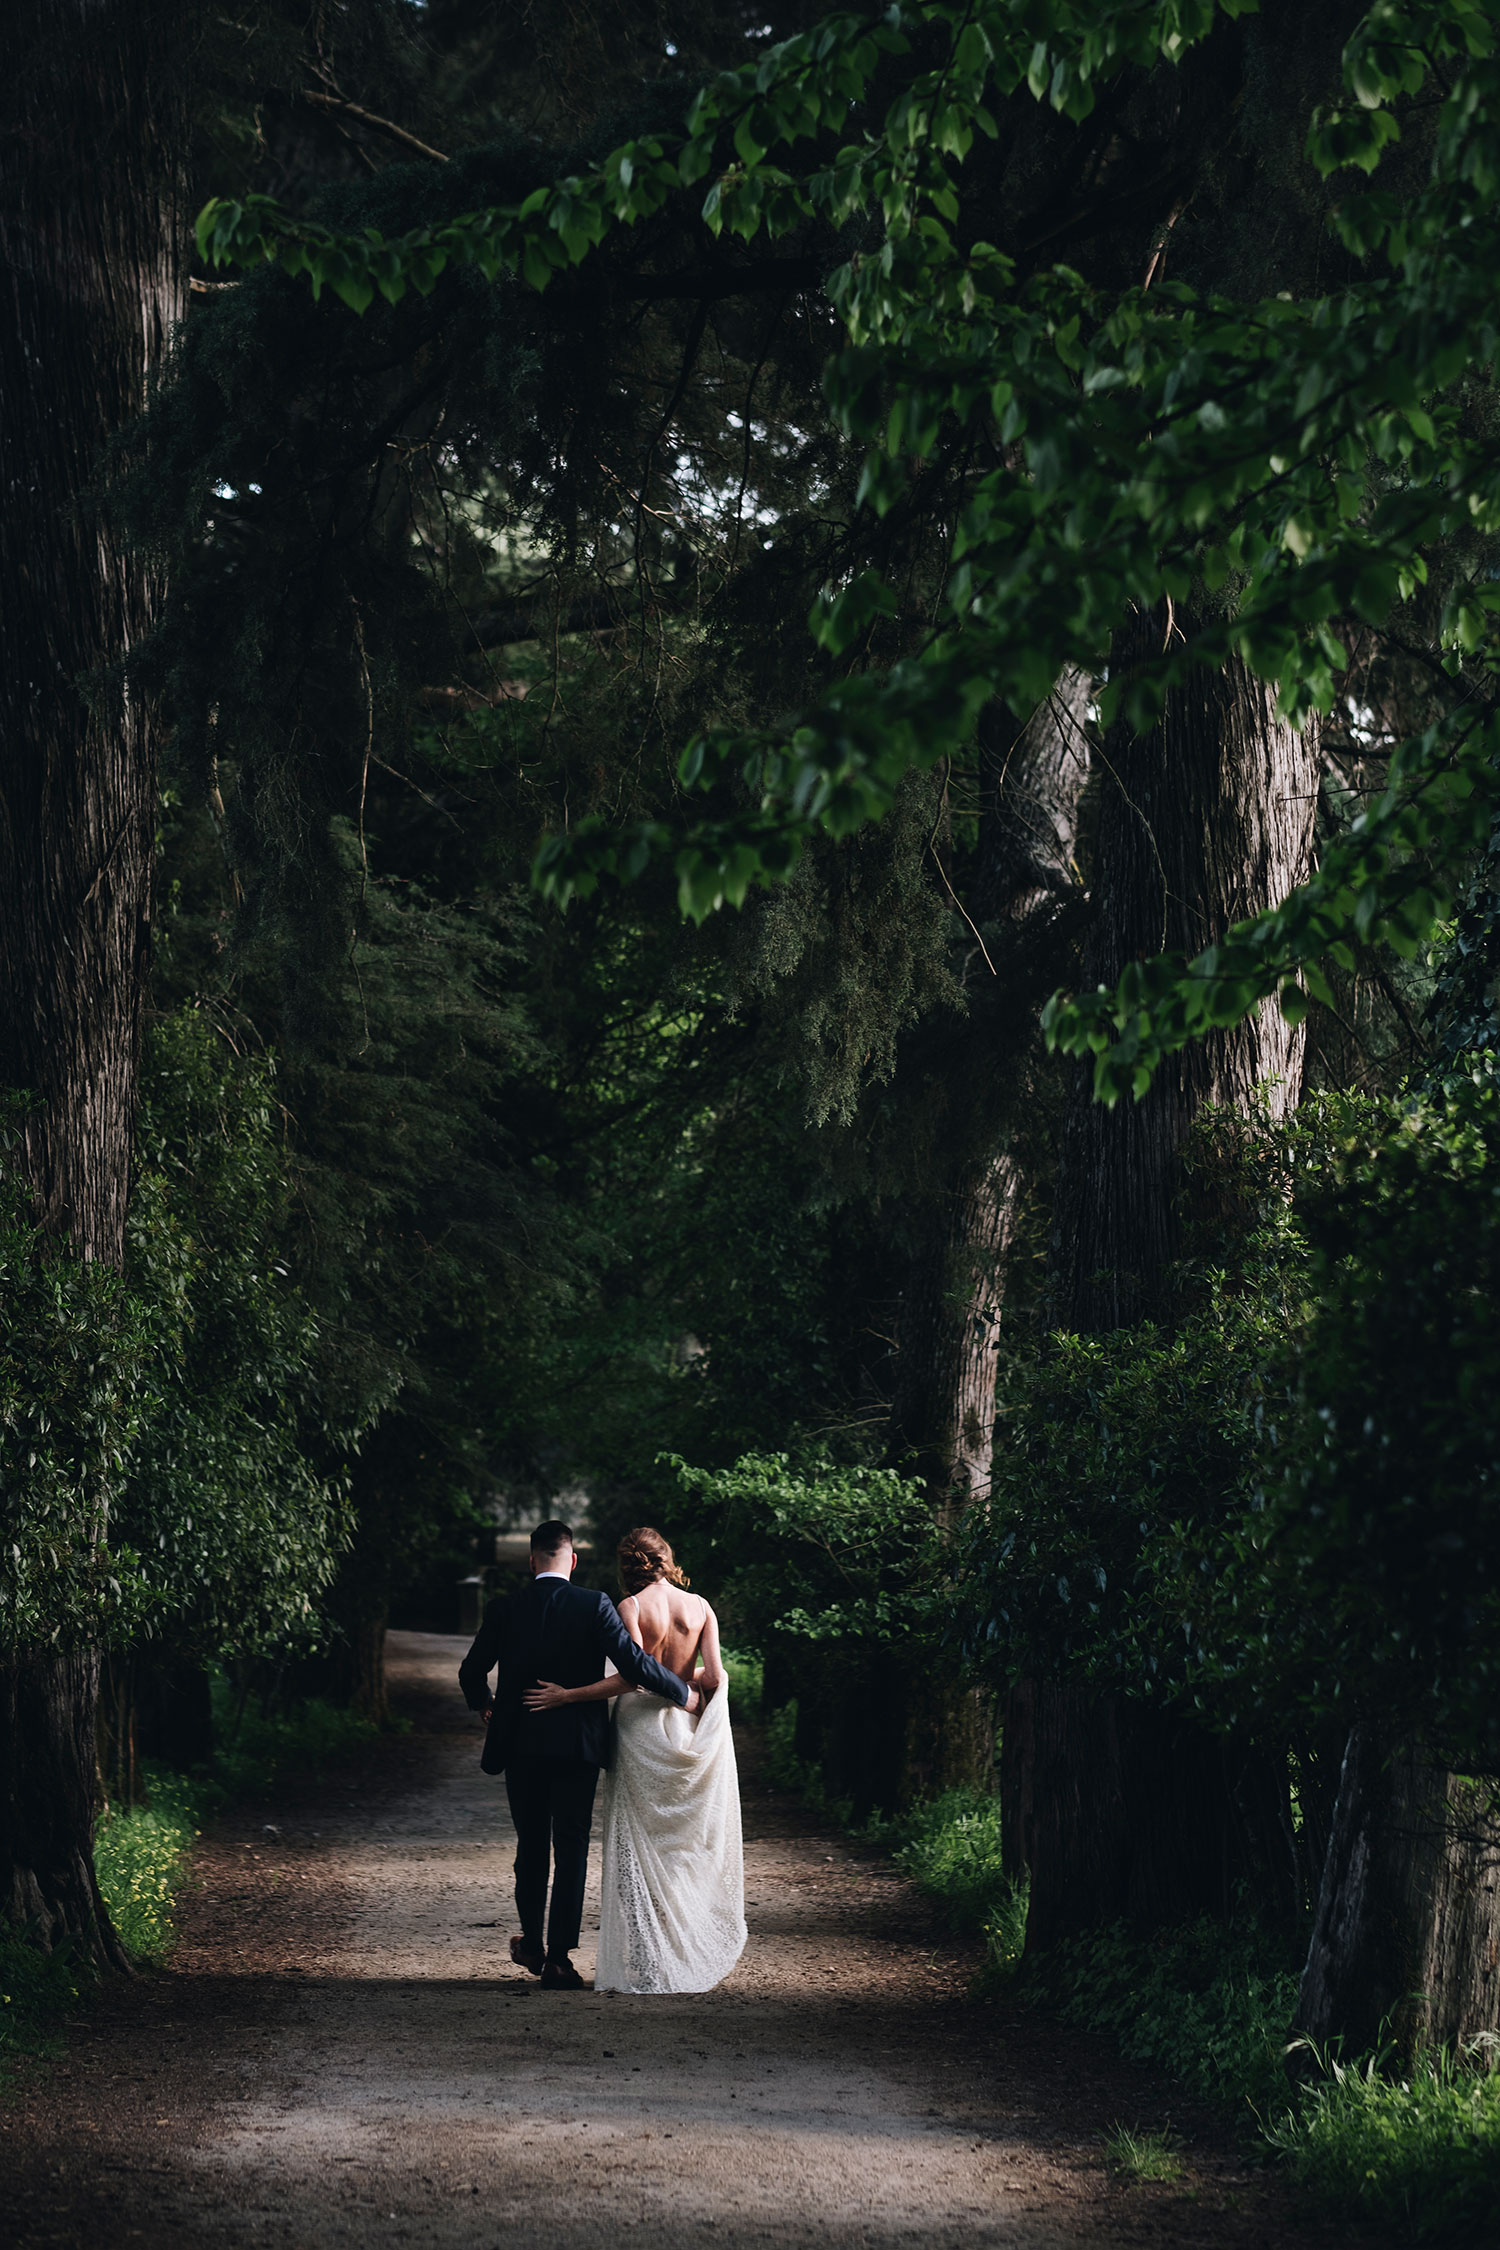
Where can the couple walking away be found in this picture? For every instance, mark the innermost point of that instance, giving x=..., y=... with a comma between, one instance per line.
x=673, y=1912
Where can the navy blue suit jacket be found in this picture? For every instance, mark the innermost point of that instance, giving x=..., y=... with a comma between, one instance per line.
x=552, y=1630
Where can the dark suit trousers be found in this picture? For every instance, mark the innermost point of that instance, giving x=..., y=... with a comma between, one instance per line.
x=552, y=1805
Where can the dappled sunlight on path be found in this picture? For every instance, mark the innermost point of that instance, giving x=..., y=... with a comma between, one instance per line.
x=767, y=2110
x=343, y=2052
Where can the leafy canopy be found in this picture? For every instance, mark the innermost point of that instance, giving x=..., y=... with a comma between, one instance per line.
x=1302, y=456
x=818, y=1549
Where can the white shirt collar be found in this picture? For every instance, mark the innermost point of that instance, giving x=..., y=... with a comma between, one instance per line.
x=564, y=1575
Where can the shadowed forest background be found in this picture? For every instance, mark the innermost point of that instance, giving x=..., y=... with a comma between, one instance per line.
x=372, y=1183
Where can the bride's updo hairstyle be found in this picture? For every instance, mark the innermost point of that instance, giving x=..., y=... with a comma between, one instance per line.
x=644, y=1556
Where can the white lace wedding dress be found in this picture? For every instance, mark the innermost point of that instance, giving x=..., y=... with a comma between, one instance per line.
x=673, y=1911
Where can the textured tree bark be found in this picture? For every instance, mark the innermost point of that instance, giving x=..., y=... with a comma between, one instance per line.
x=89, y=268
x=943, y=1411
x=48, y=1798
x=1406, y=1940
x=1205, y=820
x=1124, y=1811
x=1121, y=1812
x=351, y=1670
x=943, y=1414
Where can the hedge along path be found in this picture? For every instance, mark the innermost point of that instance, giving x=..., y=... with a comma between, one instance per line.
x=342, y=2051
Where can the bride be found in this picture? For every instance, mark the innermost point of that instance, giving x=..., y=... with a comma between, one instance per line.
x=673, y=1912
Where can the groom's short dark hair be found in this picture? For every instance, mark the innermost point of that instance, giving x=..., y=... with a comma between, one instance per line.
x=551, y=1538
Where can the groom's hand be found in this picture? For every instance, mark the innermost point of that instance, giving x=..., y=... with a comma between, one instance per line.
x=694, y=1703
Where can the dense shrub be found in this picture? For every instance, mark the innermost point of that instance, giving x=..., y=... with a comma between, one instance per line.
x=140, y=1856
x=1211, y=2005
x=1280, y=1504
x=1381, y=1541
x=1128, y=1465
x=811, y=1548
x=156, y=1429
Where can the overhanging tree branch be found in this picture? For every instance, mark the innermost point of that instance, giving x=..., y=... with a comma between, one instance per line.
x=375, y=124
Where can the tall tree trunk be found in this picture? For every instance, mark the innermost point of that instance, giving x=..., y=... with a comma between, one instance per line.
x=1121, y=1810
x=943, y=1412
x=1207, y=819
x=1406, y=1940
x=88, y=255
x=48, y=1799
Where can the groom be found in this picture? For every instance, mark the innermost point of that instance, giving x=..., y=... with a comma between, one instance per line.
x=553, y=1630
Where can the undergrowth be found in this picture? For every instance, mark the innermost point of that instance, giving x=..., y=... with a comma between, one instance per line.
x=140, y=1859
x=1420, y=2148
x=1416, y=2148
x=36, y=1992
x=785, y=1769
x=746, y=1681
x=141, y=1853
x=253, y=1748
x=1210, y=2004
x=949, y=1846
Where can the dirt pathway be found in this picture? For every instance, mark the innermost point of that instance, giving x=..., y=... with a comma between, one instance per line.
x=342, y=2052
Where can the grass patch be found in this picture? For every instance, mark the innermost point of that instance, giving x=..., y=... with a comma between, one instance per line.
x=1420, y=2150
x=1133, y=2154
x=140, y=1859
x=1209, y=2004
x=950, y=1847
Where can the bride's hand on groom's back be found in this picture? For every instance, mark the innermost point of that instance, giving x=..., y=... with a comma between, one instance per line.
x=545, y=1696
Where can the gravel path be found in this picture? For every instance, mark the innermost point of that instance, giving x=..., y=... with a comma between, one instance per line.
x=342, y=2052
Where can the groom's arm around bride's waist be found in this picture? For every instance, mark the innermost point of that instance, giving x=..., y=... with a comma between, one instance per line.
x=589, y=1630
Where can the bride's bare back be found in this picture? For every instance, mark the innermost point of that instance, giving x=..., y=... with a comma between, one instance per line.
x=676, y=1628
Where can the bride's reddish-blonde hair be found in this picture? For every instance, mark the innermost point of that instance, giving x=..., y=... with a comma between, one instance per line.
x=644, y=1556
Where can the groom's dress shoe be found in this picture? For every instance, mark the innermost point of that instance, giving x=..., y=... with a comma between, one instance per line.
x=561, y=1976
x=527, y=1956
